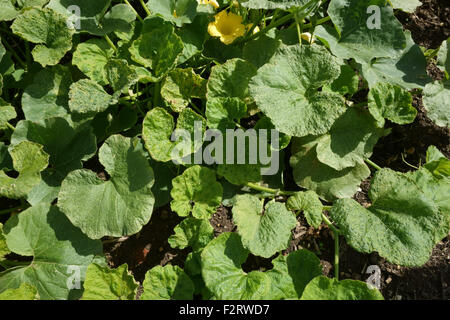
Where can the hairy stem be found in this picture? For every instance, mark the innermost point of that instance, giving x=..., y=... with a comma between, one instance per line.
x=373, y=164
x=134, y=10
x=147, y=10
x=110, y=43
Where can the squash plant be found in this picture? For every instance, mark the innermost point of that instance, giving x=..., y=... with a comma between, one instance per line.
x=92, y=93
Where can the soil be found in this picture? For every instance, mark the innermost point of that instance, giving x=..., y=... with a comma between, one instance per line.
x=430, y=25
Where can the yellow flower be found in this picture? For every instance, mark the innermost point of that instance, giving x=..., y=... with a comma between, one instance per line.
x=214, y=3
x=307, y=37
x=227, y=26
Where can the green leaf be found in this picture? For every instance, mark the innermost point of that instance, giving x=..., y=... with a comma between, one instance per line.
x=103, y=283
x=436, y=100
x=178, y=12
x=285, y=89
x=4, y=250
x=196, y=191
x=273, y=4
x=7, y=112
x=48, y=29
x=180, y=86
x=350, y=140
x=346, y=83
x=120, y=75
x=157, y=48
x=191, y=232
x=323, y=288
x=88, y=98
x=66, y=146
x=222, y=259
x=291, y=274
x=443, y=56
x=29, y=159
x=24, y=292
x=119, y=206
x=391, y=102
x=223, y=113
x=310, y=204
x=230, y=80
x=158, y=127
x=264, y=230
x=261, y=50
x=437, y=163
x=327, y=182
x=240, y=174
x=193, y=36
x=91, y=58
x=356, y=39
x=167, y=283
x=406, y=5
x=7, y=10
x=48, y=95
x=61, y=253
x=402, y=224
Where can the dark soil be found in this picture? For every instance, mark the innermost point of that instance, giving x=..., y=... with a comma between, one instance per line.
x=430, y=25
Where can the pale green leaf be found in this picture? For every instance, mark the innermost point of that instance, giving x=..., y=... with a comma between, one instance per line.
x=223, y=113
x=391, y=102
x=196, y=191
x=346, y=83
x=7, y=112
x=29, y=160
x=323, y=288
x=263, y=230
x=24, y=292
x=103, y=283
x=178, y=12
x=406, y=5
x=436, y=100
x=117, y=207
x=309, y=203
x=272, y=4
x=285, y=89
x=437, y=163
x=195, y=233
x=48, y=29
x=3, y=247
x=87, y=97
x=167, y=283
x=7, y=10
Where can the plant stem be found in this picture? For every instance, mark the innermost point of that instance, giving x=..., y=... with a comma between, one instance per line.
x=10, y=126
x=6, y=211
x=111, y=44
x=156, y=93
x=134, y=10
x=330, y=225
x=318, y=22
x=273, y=24
x=373, y=164
x=13, y=52
x=299, y=28
x=147, y=10
x=269, y=190
x=336, y=255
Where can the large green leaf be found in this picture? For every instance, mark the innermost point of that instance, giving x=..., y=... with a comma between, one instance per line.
x=48, y=95
x=285, y=89
x=391, y=102
x=291, y=274
x=167, y=283
x=230, y=80
x=119, y=206
x=103, y=283
x=157, y=48
x=263, y=230
x=61, y=253
x=193, y=36
x=272, y=4
x=178, y=12
x=66, y=146
x=158, y=127
x=437, y=163
x=356, y=39
x=402, y=224
x=222, y=259
x=87, y=98
x=29, y=159
x=180, y=86
x=309, y=203
x=436, y=100
x=48, y=29
x=196, y=191
x=192, y=232
x=323, y=288
x=327, y=182
x=223, y=113
x=91, y=58
x=7, y=10
x=350, y=140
